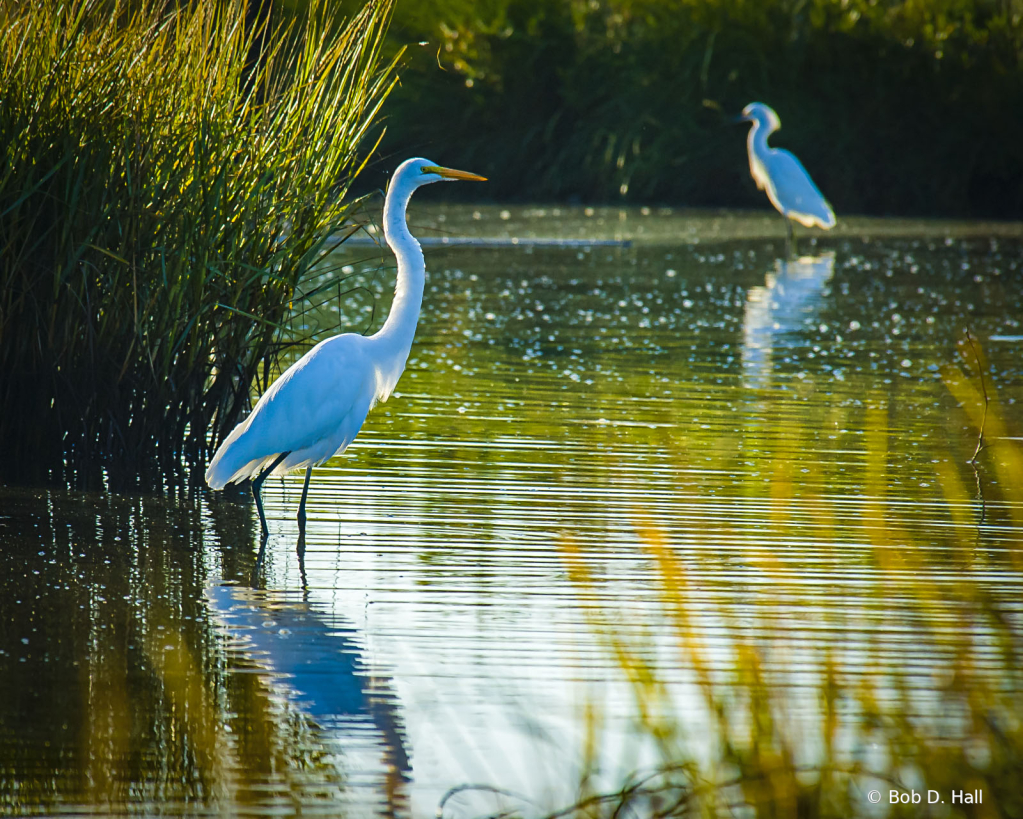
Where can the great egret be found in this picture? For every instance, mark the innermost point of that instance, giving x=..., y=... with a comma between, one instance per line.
x=317, y=406
x=781, y=175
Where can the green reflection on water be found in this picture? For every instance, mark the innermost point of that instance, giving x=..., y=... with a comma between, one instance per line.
x=116, y=694
x=758, y=464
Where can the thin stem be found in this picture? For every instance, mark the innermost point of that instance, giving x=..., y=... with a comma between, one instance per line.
x=983, y=389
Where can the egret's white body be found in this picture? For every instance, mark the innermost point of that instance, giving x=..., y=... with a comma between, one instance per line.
x=317, y=406
x=312, y=412
x=782, y=176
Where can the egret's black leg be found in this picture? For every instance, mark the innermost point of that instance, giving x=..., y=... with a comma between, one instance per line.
x=301, y=504
x=301, y=526
x=259, y=562
x=792, y=237
x=257, y=485
x=301, y=560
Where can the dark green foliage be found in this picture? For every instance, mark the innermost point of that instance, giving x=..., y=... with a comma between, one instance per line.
x=161, y=194
x=894, y=107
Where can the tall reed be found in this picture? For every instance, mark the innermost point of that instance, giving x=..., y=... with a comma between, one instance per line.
x=169, y=174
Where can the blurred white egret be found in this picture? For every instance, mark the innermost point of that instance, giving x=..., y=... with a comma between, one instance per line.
x=781, y=175
x=316, y=408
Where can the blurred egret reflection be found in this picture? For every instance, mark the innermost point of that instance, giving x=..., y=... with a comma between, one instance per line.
x=778, y=311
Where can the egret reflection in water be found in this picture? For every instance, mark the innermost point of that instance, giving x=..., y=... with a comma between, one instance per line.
x=317, y=665
x=778, y=312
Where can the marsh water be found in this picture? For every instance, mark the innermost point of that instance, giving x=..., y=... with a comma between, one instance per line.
x=645, y=481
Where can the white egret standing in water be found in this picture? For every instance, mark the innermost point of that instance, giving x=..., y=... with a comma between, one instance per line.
x=782, y=176
x=317, y=406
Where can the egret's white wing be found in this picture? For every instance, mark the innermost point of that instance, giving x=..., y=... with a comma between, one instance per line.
x=312, y=411
x=793, y=192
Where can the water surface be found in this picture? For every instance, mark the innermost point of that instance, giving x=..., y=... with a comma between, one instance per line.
x=620, y=474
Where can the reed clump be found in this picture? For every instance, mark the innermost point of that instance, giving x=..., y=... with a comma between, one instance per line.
x=169, y=174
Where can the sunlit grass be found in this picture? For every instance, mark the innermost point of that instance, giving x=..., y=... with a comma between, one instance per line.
x=169, y=176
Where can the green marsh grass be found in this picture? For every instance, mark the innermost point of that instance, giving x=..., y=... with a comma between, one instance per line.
x=169, y=175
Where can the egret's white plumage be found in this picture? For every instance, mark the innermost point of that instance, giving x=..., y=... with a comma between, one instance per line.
x=782, y=176
x=316, y=408
x=312, y=411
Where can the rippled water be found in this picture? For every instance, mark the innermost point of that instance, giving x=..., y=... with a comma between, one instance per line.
x=612, y=474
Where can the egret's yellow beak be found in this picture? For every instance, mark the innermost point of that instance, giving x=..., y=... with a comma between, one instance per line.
x=451, y=173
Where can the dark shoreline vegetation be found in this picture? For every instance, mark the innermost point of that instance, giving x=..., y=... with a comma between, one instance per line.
x=168, y=179
x=895, y=108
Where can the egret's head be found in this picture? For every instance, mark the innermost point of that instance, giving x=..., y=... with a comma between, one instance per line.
x=419, y=171
x=762, y=114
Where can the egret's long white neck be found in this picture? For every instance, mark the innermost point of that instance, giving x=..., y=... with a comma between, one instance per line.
x=394, y=339
x=392, y=344
x=408, y=289
x=757, y=139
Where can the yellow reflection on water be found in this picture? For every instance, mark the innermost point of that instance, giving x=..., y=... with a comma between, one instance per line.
x=804, y=725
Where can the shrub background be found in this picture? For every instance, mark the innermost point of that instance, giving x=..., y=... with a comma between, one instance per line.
x=894, y=107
